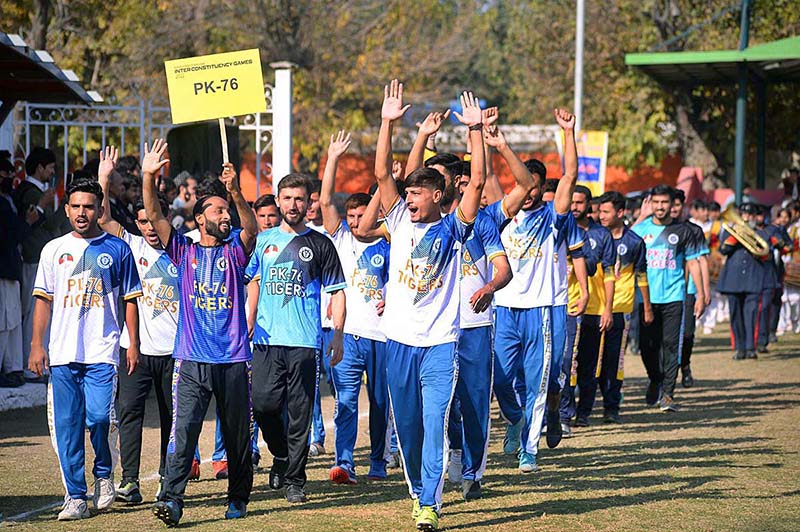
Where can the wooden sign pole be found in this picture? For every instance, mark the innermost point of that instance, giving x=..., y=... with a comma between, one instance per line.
x=223, y=135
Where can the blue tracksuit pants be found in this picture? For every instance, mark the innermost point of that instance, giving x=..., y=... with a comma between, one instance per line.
x=81, y=396
x=421, y=387
x=523, y=338
x=469, y=416
x=361, y=355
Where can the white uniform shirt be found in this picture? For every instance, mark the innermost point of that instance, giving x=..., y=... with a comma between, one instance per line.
x=366, y=269
x=84, y=279
x=530, y=240
x=422, y=297
x=158, y=307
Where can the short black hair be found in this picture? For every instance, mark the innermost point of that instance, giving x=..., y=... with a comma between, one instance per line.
x=211, y=186
x=550, y=185
x=266, y=200
x=699, y=204
x=5, y=161
x=401, y=189
x=86, y=185
x=162, y=203
x=296, y=180
x=314, y=185
x=615, y=198
x=449, y=161
x=680, y=195
x=536, y=167
x=581, y=189
x=714, y=206
x=632, y=204
x=38, y=156
x=426, y=177
x=92, y=167
x=127, y=164
x=359, y=199
x=663, y=190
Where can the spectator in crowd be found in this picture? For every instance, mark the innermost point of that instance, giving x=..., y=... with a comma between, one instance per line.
x=129, y=165
x=37, y=193
x=117, y=194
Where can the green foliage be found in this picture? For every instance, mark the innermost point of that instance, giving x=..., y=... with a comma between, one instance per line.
x=518, y=55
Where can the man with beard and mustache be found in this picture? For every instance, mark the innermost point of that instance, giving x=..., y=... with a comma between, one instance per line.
x=158, y=324
x=212, y=351
x=292, y=263
x=80, y=279
x=671, y=250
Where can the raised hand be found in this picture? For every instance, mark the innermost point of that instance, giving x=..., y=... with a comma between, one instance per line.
x=565, y=119
x=490, y=116
x=230, y=178
x=108, y=162
x=393, y=107
x=493, y=137
x=432, y=123
x=397, y=169
x=470, y=109
x=151, y=161
x=339, y=144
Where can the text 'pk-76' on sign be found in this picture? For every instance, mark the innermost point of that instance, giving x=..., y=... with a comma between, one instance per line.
x=215, y=86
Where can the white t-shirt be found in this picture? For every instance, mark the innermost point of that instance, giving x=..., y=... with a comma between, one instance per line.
x=158, y=307
x=530, y=240
x=422, y=296
x=482, y=246
x=366, y=269
x=325, y=297
x=84, y=278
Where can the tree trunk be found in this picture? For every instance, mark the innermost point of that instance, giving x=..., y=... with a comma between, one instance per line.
x=41, y=20
x=693, y=147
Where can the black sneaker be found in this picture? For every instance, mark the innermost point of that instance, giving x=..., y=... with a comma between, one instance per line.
x=687, y=381
x=763, y=349
x=653, y=391
x=256, y=460
x=553, y=429
x=739, y=355
x=295, y=494
x=752, y=354
x=471, y=489
x=169, y=512
x=276, y=474
x=581, y=421
x=128, y=491
x=611, y=417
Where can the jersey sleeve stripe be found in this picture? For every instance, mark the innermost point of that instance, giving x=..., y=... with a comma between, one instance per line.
x=496, y=254
x=386, y=232
x=503, y=208
x=133, y=295
x=463, y=218
x=337, y=229
x=38, y=292
x=573, y=247
x=335, y=288
x=395, y=202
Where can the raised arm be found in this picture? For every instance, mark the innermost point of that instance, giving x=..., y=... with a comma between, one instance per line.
x=566, y=185
x=515, y=199
x=472, y=118
x=392, y=109
x=108, y=164
x=369, y=220
x=151, y=166
x=337, y=148
x=427, y=129
x=248, y=219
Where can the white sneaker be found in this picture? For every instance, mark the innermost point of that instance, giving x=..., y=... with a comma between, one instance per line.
x=73, y=509
x=707, y=330
x=454, y=469
x=104, y=493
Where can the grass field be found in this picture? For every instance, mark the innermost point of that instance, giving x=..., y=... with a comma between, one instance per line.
x=727, y=462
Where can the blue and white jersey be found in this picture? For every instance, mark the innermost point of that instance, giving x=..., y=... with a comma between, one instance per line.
x=159, y=305
x=570, y=245
x=482, y=246
x=84, y=278
x=422, y=296
x=291, y=270
x=530, y=239
x=325, y=297
x=668, y=249
x=366, y=270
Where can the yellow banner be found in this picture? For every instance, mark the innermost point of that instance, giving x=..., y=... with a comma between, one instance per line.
x=592, y=156
x=215, y=86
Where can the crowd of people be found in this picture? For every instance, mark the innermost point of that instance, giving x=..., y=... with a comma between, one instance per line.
x=438, y=285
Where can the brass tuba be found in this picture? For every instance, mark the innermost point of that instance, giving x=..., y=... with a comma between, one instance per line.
x=732, y=223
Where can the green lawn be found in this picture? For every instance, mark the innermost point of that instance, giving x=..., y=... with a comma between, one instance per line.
x=727, y=462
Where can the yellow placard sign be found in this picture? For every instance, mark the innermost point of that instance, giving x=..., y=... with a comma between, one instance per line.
x=215, y=86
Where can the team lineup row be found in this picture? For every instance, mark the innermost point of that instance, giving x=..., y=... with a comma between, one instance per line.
x=458, y=282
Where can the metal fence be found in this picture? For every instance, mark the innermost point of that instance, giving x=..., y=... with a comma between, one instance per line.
x=77, y=132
